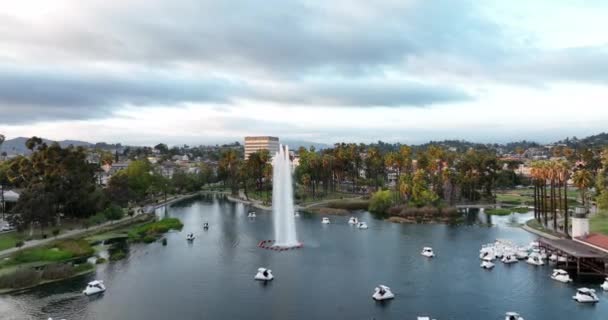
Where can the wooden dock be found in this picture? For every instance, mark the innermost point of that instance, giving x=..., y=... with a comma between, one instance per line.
x=587, y=260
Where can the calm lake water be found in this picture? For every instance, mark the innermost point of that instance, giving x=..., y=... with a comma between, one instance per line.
x=332, y=277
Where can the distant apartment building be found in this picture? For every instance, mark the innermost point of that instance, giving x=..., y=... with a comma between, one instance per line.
x=253, y=144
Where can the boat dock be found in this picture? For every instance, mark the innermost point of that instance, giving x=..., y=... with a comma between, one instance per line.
x=586, y=260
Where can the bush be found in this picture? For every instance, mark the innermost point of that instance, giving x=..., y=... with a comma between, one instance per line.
x=19, y=244
x=101, y=260
x=56, y=232
x=520, y=210
x=113, y=212
x=498, y=212
x=97, y=219
x=57, y=271
x=154, y=229
x=149, y=239
x=602, y=200
x=21, y=278
x=117, y=255
x=381, y=201
x=83, y=267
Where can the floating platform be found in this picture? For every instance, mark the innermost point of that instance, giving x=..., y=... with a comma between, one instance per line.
x=269, y=245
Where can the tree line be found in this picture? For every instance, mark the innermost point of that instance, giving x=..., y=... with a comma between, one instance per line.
x=58, y=182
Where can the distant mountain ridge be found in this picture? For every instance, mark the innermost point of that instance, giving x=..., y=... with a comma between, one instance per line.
x=17, y=145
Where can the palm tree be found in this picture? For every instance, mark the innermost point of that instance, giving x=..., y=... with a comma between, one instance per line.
x=544, y=174
x=564, y=175
x=534, y=172
x=582, y=179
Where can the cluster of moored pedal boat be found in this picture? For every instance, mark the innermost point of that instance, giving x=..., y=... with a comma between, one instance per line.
x=509, y=253
x=352, y=221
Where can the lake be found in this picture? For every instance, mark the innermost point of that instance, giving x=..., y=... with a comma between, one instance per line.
x=332, y=277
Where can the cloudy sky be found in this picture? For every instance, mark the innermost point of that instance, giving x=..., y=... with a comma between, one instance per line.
x=192, y=71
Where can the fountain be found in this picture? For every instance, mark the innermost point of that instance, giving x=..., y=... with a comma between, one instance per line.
x=282, y=201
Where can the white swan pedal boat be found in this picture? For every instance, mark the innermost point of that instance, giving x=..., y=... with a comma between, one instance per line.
x=427, y=252
x=264, y=274
x=382, y=292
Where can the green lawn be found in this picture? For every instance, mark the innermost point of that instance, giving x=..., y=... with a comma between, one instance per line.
x=8, y=240
x=526, y=197
x=538, y=226
x=57, y=251
x=599, y=223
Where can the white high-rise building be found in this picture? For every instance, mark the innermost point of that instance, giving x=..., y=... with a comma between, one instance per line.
x=253, y=144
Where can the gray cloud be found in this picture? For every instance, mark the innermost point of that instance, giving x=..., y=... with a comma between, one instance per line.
x=40, y=94
x=364, y=93
x=28, y=95
x=282, y=38
x=222, y=51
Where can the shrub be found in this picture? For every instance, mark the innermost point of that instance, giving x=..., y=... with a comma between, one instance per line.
x=56, y=232
x=113, y=212
x=149, y=239
x=97, y=219
x=520, y=210
x=117, y=255
x=154, y=229
x=79, y=248
x=101, y=260
x=498, y=212
x=83, y=267
x=21, y=278
x=19, y=244
x=57, y=271
x=602, y=200
x=381, y=201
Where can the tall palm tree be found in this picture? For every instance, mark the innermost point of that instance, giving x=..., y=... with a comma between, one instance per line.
x=544, y=175
x=582, y=179
x=564, y=175
x=534, y=172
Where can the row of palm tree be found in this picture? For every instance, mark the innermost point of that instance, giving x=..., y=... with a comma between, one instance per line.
x=550, y=178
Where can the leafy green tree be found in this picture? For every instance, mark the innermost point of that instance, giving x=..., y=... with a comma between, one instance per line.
x=113, y=212
x=118, y=190
x=380, y=202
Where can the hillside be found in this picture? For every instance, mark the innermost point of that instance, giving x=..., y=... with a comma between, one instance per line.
x=17, y=145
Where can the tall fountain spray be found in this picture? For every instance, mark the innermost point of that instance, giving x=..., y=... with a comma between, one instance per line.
x=282, y=200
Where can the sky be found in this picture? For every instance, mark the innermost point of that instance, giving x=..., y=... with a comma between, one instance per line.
x=205, y=72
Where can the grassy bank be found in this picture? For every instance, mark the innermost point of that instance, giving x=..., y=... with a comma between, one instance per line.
x=62, y=259
x=599, y=223
x=57, y=251
x=427, y=214
x=532, y=223
x=506, y=211
x=25, y=278
x=150, y=232
x=10, y=239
